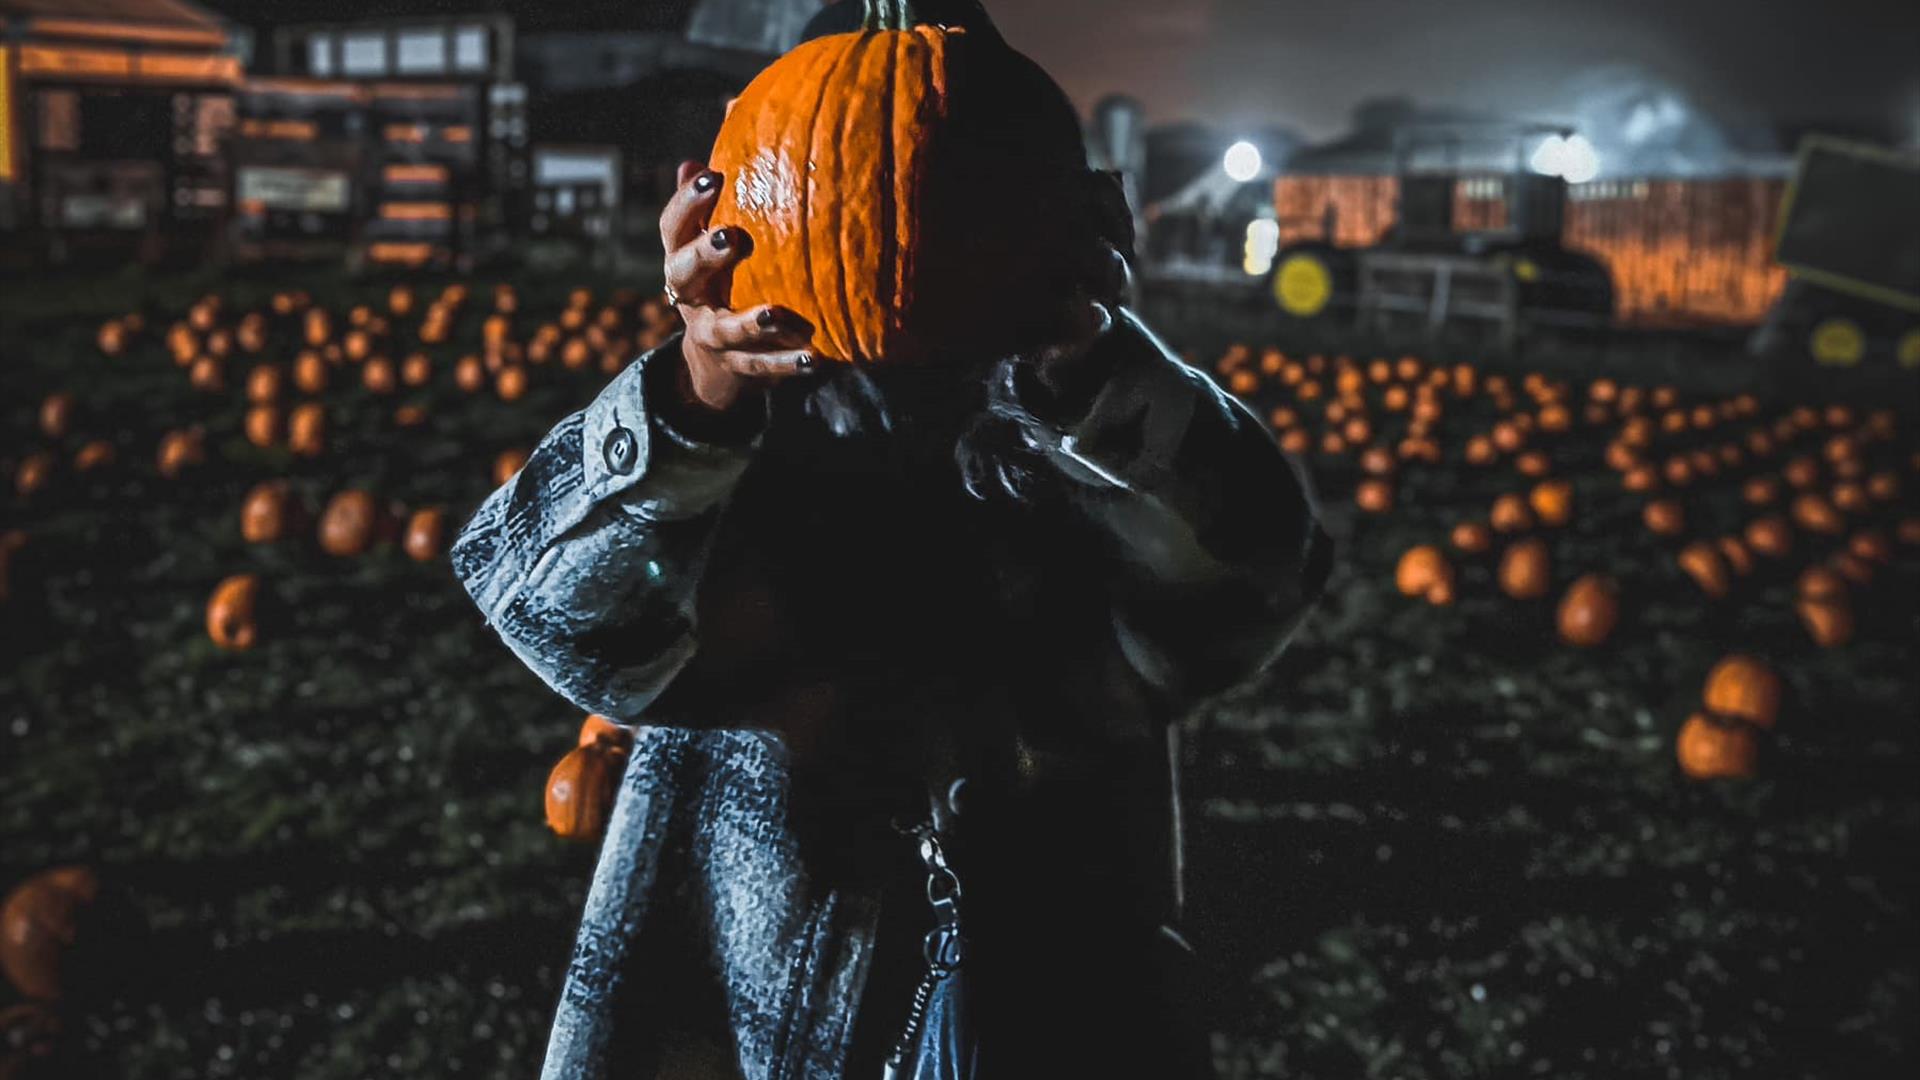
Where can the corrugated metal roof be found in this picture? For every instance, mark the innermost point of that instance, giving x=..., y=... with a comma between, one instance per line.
x=175, y=13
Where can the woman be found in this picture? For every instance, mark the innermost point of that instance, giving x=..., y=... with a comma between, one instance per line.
x=881, y=630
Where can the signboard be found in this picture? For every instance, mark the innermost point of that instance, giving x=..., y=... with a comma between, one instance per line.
x=1851, y=221
x=310, y=190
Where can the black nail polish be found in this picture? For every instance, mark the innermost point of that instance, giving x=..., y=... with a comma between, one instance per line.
x=721, y=239
x=804, y=362
x=706, y=182
x=767, y=318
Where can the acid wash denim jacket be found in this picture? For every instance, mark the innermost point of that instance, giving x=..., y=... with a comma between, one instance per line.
x=777, y=612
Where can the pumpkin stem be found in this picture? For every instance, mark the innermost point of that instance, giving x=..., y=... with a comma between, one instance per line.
x=891, y=15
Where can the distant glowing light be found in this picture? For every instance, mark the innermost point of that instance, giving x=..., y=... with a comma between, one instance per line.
x=1242, y=161
x=1263, y=243
x=1571, y=157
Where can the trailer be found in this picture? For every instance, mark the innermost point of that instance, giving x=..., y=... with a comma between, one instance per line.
x=1849, y=239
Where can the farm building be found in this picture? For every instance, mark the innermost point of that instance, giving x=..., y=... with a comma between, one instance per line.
x=113, y=116
x=1685, y=247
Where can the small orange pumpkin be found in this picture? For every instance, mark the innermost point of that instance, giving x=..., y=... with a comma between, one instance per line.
x=231, y=612
x=1424, y=571
x=1816, y=515
x=1525, y=571
x=416, y=370
x=1552, y=502
x=1510, y=514
x=426, y=535
x=507, y=465
x=1742, y=688
x=1770, y=536
x=1709, y=750
x=582, y=787
x=1471, y=537
x=307, y=429
x=263, y=384
x=1702, y=562
x=180, y=450
x=1664, y=517
x=1374, y=495
x=39, y=923
x=56, y=415
x=1589, y=611
x=96, y=454
x=264, y=425
x=1825, y=607
x=1760, y=491
x=378, y=376
x=349, y=524
x=269, y=513
x=511, y=383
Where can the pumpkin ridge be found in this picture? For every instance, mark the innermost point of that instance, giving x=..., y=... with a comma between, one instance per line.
x=806, y=204
x=848, y=170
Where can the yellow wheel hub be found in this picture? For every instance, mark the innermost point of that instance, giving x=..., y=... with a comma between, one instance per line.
x=1303, y=286
x=1909, y=349
x=1838, y=342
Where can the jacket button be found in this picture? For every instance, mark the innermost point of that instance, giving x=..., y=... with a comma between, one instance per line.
x=620, y=450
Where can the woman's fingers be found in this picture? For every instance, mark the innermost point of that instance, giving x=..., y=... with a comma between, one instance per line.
x=769, y=365
x=694, y=268
x=686, y=213
x=764, y=329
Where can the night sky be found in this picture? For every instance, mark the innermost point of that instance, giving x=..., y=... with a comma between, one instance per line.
x=1304, y=64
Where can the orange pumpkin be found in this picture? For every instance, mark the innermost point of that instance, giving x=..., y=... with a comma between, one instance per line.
x=511, y=383
x=1770, y=536
x=39, y=922
x=307, y=429
x=179, y=450
x=410, y=415
x=112, y=339
x=1296, y=441
x=1525, y=571
x=1424, y=571
x=264, y=425
x=269, y=513
x=1884, y=486
x=1741, y=688
x=1480, y=451
x=1709, y=750
x=582, y=787
x=94, y=455
x=1816, y=515
x=880, y=176
x=1760, y=491
x=34, y=473
x=349, y=524
x=378, y=376
x=1510, y=514
x=1802, y=472
x=426, y=535
x=207, y=375
x=1850, y=497
x=507, y=465
x=416, y=370
x=231, y=612
x=263, y=384
x=1735, y=554
x=1702, y=562
x=1471, y=537
x=1589, y=611
x=1552, y=502
x=310, y=373
x=56, y=415
x=1825, y=607
x=1640, y=479
x=1664, y=517
x=1374, y=495
x=1532, y=463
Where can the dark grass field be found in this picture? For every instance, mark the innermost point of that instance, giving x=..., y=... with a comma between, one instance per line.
x=1432, y=842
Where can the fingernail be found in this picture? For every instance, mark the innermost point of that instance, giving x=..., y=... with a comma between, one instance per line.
x=721, y=239
x=706, y=181
x=804, y=362
x=767, y=318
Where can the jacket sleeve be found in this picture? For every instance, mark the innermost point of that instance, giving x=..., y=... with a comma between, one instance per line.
x=1214, y=548
x=587, y=561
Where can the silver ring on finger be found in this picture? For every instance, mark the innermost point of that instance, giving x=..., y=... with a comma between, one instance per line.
x=673, y=295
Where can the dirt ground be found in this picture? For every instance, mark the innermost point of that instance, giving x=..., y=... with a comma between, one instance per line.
x=1430, y=842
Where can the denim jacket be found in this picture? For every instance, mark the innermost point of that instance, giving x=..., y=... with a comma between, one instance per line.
x=768, y=608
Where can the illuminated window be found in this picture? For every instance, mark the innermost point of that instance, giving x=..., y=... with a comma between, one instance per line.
x=363, y=54
x=320, y=54
x=420, y=52
x=470, y=49
x=59, y=120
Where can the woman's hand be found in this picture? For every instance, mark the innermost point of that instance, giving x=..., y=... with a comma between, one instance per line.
x=729, y=354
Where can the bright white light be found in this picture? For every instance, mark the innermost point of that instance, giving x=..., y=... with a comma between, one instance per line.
x=1243, y=161
x=1263, y=243
x=1571, y=158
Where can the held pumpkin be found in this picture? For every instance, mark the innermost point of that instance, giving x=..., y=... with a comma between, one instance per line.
x=232, y=613
x=886, y=178
x=38, y=925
